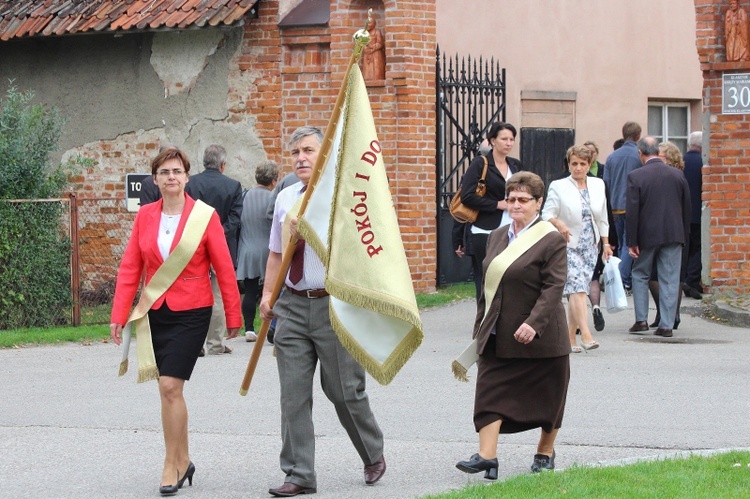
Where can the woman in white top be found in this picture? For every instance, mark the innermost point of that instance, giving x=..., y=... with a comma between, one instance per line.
x=577, y=207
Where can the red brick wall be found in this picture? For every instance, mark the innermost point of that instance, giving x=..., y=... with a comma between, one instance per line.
x=313, y=64
x=726, y=178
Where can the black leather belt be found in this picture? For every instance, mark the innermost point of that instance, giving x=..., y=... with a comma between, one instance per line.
x=309, y=293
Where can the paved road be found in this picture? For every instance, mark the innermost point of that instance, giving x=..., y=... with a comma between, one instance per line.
x=69, y=427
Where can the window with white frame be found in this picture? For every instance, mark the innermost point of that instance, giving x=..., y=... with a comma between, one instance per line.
x=670, y=121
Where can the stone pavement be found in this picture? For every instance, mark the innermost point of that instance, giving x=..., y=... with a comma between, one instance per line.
x=70, y=428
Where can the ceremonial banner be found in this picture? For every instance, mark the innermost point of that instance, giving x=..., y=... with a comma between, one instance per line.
x=351, y=223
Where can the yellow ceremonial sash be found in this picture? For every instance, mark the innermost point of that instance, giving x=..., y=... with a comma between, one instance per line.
x=165, y=275
x=493, y=276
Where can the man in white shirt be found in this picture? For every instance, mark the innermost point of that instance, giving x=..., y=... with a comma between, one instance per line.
x=303, y=338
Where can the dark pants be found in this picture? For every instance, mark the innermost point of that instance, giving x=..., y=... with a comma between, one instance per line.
x=249, y=303
x=479, y=251
x=694, y=266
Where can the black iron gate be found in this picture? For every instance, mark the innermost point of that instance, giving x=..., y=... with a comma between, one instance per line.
x=470, y=96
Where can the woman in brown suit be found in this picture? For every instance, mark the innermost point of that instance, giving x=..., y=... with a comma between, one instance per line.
x=521, y=331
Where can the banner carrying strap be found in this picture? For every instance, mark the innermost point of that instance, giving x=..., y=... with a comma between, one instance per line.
x=495, y=272
x=164, y=277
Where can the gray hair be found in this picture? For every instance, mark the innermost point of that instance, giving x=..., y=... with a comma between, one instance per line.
x=696, y=140
x=214, y=156
x=305, y=131
x=266, y=172
x=648, y=146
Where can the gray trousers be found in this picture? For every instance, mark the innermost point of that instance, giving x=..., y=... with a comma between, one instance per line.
x=668, y=263
x=303, y=337
x=218, y=325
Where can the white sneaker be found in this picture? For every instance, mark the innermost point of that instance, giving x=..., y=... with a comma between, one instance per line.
x=250, y=336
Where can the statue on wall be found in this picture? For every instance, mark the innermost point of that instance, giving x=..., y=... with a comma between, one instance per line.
x=373, y=56
x=737, y=31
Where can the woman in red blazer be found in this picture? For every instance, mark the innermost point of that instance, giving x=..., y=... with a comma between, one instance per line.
x=179, y=318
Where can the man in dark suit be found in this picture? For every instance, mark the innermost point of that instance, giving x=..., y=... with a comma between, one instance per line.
x=225, y=195
x=693, y=173
x=658, y=223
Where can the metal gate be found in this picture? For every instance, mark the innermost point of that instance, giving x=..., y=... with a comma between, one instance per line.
x=470, y=96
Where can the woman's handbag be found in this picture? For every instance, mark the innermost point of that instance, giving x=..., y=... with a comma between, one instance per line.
x=462, y=213
x=613, y=290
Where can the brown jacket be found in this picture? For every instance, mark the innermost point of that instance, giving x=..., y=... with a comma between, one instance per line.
x=530, y=292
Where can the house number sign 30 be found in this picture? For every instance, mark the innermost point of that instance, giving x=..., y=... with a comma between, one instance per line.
x=735, y=94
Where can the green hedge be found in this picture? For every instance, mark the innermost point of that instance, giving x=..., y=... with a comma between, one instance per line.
x=34, y=248
x=35, y=266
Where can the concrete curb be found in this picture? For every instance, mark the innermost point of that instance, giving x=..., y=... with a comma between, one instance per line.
x=733, y=315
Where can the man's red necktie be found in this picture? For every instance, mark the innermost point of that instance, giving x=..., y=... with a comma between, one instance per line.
x=298, y=259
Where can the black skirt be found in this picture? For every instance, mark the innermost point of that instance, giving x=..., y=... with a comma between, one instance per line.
x=178, y=338
x=522, y=393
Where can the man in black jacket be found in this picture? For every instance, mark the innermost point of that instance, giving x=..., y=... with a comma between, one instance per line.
x=225, y=195
x=658, y=224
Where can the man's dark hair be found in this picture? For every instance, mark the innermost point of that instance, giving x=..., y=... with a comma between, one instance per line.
x=631, y=131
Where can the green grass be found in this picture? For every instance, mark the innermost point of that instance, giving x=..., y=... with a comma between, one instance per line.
x=88, y=333
x=717, y=476
x=37, y=335
x=446, y=295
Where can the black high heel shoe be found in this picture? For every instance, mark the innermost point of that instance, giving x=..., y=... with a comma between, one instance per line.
x=477, y=463
x=189, y=472
x=656, y=322
x=170, y=490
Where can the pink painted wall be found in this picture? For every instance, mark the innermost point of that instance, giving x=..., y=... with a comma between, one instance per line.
x=616, y=55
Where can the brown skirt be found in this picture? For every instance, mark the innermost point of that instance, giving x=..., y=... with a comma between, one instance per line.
x=522, y=393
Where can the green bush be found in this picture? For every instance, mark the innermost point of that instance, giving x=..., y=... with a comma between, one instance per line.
x=34, y=249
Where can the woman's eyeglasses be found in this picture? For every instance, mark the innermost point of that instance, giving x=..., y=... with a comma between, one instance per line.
x=512, y=200
x=165, y=173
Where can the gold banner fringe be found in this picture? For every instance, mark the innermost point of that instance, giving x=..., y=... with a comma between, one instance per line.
x=123, y=367
x=459, y=372
x=383, y=304
x=147, y=374
x=384, y=373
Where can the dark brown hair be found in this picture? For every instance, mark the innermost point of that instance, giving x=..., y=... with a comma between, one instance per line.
x=525, y=181
x=166, y=155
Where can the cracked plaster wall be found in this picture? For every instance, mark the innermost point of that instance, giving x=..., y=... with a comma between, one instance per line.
x=111, y=89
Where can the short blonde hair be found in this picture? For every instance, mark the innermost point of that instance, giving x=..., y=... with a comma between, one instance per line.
x=582, y=152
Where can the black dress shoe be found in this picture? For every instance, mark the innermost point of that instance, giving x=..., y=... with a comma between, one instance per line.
x=638, y=327
x=656, y=322
x=290, y=489
x=598, y=319
x=374, y=471
x=542, y=462
x=477, y=463
x=666, y=333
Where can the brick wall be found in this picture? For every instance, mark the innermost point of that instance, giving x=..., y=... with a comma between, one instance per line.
x=283, y=78
x=726, y=178
x=313, y=64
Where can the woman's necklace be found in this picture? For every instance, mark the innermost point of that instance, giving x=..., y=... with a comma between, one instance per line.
x=171, y=220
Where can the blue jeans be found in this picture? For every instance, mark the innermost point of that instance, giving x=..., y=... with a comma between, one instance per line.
x=626, y=263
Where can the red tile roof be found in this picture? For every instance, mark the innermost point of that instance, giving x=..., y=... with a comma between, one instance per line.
x=27, y=18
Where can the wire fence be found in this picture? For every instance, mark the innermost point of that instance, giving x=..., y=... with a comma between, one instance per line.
x=94, y=232
x=103, y=228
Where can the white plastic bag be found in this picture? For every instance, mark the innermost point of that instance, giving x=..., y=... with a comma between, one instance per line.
x=614, y=293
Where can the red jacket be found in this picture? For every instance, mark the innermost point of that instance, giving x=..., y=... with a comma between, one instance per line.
x=192, y=289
